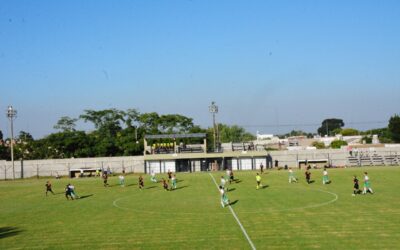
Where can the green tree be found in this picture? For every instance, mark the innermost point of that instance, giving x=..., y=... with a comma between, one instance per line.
x=394, y=128
x=329, y=125
x=3, y=149
x=66, y=124
x=108, y=124
x=234, y=134
x=24, y=146
x=338, y=144
x=384, y=134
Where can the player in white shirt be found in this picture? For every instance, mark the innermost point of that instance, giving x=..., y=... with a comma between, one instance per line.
x=153, y=177
x=367, y=184
x=224, y=198
x=121, y=180
x=292, y=178
x=325, y=178
x=223, y=182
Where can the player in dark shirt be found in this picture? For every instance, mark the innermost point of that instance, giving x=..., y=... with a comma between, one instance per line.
x=165, y=184
x=105, y=179
x=356, y=189
x=169, y=175
x=308, y=176
x=48, y=187
x=141, y=182
x=68, y=192
x=231, y=177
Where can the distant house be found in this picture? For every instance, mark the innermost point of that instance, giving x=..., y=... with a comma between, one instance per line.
x=261, y=137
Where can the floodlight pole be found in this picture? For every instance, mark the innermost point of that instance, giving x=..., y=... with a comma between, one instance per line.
x=214, y=109
x=12, y=114
x=136, y=128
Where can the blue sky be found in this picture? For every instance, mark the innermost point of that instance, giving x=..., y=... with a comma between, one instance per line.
x=265, y=63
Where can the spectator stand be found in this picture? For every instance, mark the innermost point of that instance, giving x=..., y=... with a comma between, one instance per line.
x=174, y=143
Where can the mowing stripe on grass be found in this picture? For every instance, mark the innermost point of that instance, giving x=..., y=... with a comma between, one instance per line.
x=237, y=219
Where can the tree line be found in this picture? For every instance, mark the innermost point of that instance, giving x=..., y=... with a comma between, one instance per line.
x=120, y=133
x=116, y=133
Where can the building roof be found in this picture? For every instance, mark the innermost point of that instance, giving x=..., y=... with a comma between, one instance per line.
x=175, y=136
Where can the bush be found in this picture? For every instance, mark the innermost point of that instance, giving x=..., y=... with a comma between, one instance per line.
x=318, y=145
x=338, y=144
x=349, y=132
x=367, y=139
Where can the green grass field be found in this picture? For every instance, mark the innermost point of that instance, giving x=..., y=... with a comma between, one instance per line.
x=281, y=215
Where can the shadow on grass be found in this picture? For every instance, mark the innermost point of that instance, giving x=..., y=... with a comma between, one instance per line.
x=237, y=181
x=265, y=186
x=230, y=189
x=312, y=181
x=179, y=181
x=179, y=188
x=9, y=232
x=233, y=202
x=85, y=196
x=130, y=185
x=151, y=187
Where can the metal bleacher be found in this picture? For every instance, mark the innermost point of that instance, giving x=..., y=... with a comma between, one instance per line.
x=374, y=160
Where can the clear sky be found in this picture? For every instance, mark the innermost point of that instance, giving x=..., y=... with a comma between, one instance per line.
x=266, y=64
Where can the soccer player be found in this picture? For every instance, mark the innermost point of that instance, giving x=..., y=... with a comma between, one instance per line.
x=105, y=179
x=153, y=177
x=308, y=176
x=122, y=180
x=173, y=182
x=228, y=174
x=261, y=168
x=48, y=188
x=367, y=184
x=325, y=178
x=68, y=193
x=72, y=188
x=165, y=184
x=141, y=182
x=292, y=178
x=258, y=179
x=169, y=175
x=222, y=182
x=356, y=188
x=224, y=198
x=231, y=177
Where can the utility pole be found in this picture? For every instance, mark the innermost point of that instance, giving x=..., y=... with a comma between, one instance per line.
x=12, y=114
x=213, y=110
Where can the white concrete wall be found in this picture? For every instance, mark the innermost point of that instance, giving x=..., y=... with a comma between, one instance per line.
x=337, y=157
x=131, y=164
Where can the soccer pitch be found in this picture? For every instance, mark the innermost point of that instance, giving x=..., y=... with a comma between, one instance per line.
x=279, y=215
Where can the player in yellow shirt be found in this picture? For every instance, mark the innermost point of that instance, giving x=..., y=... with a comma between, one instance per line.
x=258, y=179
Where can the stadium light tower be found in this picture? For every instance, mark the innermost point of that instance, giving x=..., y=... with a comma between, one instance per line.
x=214, y=110
x=12, y=114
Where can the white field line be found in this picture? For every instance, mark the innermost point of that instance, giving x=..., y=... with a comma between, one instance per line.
x=237, y=219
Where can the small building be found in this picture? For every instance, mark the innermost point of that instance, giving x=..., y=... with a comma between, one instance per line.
x=168, y=153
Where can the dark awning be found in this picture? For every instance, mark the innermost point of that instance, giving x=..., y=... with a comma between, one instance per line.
x=175, y=136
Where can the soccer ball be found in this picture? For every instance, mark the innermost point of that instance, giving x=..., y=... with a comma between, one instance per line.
x=353, y=195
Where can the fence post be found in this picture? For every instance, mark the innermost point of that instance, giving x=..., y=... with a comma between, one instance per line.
x=5, y=172
x=22, y=168
x=329, y=160
x=37, y=171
